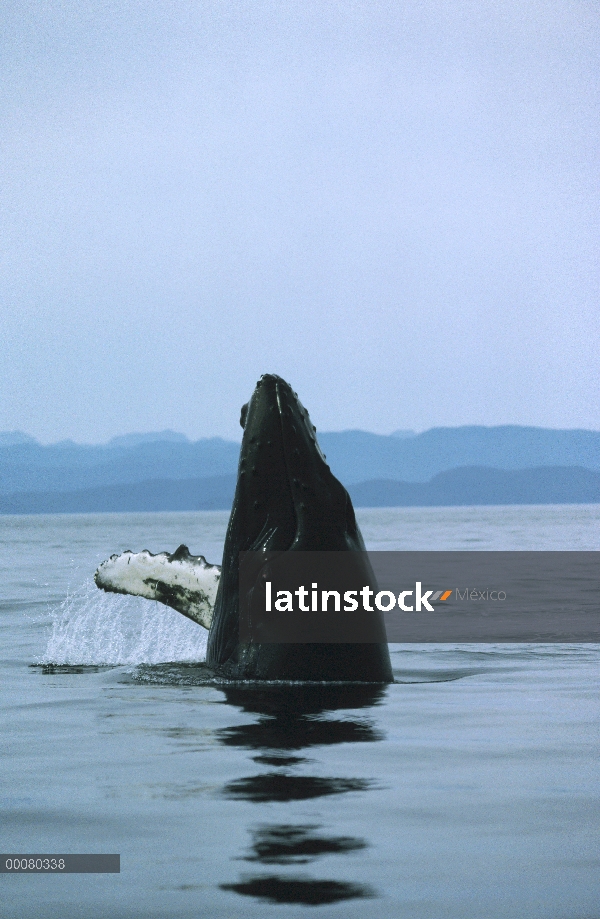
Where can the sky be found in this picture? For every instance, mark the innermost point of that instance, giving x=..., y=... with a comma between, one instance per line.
x=393, y=205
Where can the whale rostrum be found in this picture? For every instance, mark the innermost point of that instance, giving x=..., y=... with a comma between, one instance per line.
x=286, y=500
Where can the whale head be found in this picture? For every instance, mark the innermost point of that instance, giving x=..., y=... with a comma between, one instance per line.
x=286, y=499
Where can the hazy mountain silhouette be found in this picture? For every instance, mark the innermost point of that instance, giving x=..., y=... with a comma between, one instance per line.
x=215, y=493
x=482, y=485
x=378, y=469
x=354, y=456
x=463, y=486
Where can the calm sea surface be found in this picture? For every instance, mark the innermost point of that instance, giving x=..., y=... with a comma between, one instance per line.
x=469, y=789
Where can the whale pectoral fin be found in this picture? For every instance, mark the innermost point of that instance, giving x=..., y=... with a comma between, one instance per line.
x=187, y=583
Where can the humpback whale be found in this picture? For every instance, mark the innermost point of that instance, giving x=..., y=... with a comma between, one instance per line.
x=286, y=500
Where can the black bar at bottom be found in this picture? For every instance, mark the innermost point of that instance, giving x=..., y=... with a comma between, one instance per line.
x=60, y=864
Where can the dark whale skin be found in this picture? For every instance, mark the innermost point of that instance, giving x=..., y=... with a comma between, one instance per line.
x=286, y=499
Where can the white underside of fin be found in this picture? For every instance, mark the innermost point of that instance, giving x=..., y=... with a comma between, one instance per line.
x=187, y=583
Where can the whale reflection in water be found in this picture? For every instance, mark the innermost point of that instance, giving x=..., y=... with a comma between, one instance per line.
x=286, y=844
x=276, y=889
x=290, y=719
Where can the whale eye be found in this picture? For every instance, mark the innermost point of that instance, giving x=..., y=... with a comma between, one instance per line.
x=243, y=415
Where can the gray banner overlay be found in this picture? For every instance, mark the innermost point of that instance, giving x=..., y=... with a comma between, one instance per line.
x=432, y=597
x=60, y=864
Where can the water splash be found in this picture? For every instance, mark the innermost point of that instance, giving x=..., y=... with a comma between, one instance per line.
x=92, y=627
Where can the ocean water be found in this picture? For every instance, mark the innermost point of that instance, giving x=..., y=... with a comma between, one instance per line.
x=468, y=789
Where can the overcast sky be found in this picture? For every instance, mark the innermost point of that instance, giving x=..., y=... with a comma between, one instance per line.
x=394, y=205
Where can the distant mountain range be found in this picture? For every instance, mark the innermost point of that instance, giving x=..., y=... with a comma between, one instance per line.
x=215, y=493
x=466, y=486
x=69, y=467
x=482, y=485
x=165, y=471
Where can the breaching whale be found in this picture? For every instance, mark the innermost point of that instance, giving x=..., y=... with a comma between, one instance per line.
x=286, y=499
